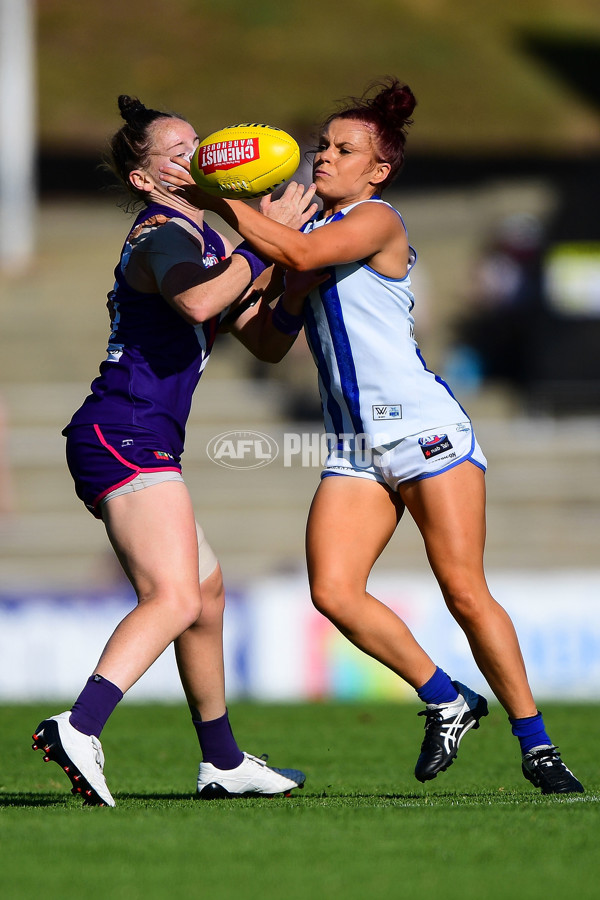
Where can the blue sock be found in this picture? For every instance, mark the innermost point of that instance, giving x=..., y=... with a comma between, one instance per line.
x=530, y=731
x=94, y=705
x=439, y=689
x=217, y=742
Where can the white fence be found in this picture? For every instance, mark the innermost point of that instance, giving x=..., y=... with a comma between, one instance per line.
x=278, y=648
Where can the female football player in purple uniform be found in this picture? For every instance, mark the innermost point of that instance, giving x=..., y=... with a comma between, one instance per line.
x=177, y=283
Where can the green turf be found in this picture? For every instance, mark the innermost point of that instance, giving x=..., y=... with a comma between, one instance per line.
x=362, y=827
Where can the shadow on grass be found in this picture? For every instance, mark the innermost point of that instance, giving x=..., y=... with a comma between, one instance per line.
x=66, y=801
x=32, y=799
x=314, y=800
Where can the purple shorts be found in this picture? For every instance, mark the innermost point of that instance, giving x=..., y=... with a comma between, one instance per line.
x=102, y=458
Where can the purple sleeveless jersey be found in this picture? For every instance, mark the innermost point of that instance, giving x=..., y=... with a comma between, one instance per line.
x=155, y=358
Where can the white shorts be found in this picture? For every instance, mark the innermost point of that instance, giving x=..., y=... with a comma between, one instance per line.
x=207, y=560
x=413, y=458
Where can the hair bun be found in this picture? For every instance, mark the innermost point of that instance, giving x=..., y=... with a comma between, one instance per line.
x=130, y=107
x=396, y=102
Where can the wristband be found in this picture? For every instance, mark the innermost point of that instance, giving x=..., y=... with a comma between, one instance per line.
x=285, y=321
x=255, y=261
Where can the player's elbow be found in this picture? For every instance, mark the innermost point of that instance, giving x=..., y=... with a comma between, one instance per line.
x=303, y=265
x=193, y=315
x=275, y=355
x=297, y=262
x=194, y=309
x=299, y=256
x=269, y=353
x=198, y=315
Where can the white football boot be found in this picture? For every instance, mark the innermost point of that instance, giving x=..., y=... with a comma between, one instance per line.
x=252, y=778
x=79, y=755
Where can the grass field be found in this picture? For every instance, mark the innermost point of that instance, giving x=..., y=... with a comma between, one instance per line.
x=362, y=827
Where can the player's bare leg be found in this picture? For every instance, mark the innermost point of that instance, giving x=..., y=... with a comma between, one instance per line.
x=350, y=522
x=199, y=652
x=450, y=513
x=225, y=770
x=153, y=533
x=449, y=510
x=157, y=544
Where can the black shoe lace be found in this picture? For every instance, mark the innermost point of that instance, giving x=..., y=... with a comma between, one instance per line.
x=549, y=766
x=547, y=753
x=433, y=718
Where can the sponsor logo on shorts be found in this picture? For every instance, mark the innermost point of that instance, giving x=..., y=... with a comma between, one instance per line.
x=127, y=442
x=162, y=454
x=242, y=449
x=435, y=444
x=387, y=411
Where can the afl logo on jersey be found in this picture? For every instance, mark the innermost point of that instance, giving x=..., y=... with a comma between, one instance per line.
x=434, y=445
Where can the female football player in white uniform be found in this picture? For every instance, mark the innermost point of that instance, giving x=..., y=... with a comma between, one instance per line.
x=403, y=441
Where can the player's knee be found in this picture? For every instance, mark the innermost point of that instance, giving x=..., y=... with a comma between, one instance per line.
x=331, y=597
x=213, y=604
x=187, y=608
x=189, y=611
x=213, y=598
x=182, y=603
x=464, y=601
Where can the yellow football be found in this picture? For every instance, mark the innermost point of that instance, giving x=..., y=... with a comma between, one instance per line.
x=244, y=161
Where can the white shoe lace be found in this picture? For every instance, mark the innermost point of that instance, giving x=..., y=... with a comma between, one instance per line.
x=98, y=754
x=261, y=760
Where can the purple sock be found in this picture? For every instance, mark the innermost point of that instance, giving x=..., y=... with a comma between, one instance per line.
x=94, y=705
x=217, y=742
x=439, y=689
x=530, y=731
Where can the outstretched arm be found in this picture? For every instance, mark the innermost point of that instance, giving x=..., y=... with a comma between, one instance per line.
x=268, y=332
x=371, y=231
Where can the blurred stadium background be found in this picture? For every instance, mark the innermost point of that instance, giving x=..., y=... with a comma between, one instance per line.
x=500, y=194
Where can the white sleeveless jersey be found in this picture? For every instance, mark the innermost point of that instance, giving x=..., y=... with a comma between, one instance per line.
x=373, y=380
